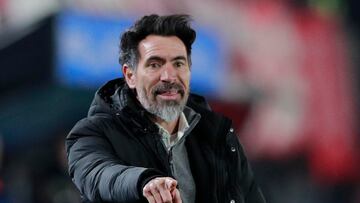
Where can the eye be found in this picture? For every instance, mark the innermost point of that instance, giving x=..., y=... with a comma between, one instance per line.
x=179, y=64
x=155, y=65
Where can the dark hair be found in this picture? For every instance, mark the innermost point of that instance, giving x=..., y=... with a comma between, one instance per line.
x=170, y=25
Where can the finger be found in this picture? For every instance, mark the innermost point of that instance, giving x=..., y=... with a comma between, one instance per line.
x=149, y=197
x=155, y=192
x=165, y=194
x=176, y=196
x=149, y=192
x=170, y=183
x=161, y=188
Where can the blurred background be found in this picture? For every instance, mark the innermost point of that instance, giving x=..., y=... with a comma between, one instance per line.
x=286, y=71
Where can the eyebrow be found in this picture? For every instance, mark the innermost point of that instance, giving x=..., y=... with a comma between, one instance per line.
x=158, y=58
x=155, y=58
x=179, y=58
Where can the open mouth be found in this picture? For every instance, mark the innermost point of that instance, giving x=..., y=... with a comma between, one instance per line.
x=171, y=94
x=169, y=91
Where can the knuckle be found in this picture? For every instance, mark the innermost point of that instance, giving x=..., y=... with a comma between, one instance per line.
x=156, y=181
x=152, y=186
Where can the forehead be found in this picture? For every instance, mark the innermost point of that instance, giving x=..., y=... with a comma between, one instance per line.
x=162, y=46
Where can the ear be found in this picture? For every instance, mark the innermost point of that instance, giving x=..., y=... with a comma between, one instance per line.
x=129, y=76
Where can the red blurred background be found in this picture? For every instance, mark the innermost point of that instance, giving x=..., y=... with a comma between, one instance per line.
x=286, y=72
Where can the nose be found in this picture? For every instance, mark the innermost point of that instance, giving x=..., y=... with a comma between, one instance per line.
x=168, y=74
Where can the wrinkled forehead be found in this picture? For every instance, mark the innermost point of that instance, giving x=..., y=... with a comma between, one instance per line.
x=166, y=47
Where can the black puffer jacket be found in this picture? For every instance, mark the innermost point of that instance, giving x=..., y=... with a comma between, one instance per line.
x=115, y=150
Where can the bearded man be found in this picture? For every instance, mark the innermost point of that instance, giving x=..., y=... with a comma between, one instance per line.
x=148, y=139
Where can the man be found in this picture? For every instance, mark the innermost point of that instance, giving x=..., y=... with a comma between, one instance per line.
x=147, y=139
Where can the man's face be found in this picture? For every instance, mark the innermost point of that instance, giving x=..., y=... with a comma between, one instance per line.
x=162, y=76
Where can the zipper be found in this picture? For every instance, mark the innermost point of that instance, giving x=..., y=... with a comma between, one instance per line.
x=170, y=160
x=186, y=133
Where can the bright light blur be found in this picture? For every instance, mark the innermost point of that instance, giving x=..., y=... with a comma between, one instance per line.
x=285, y=71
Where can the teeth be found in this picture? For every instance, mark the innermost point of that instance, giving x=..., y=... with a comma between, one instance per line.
x=169, y=92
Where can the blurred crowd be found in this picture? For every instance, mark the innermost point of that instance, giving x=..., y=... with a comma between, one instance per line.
x=286, y=71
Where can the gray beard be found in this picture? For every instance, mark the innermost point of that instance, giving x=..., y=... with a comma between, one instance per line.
x=166, y=110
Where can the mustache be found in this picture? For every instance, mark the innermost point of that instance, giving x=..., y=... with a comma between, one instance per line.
x=166, y=87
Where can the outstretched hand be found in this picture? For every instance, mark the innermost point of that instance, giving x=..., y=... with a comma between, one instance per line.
x=162, y=190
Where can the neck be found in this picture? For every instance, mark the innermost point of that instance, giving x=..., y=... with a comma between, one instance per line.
x=170, y=126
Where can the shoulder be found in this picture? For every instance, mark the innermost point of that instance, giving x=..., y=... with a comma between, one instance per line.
x=91, y=126
x=208, y=116
x=212, y=127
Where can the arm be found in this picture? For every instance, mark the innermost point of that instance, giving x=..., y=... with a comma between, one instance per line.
x=97, y=172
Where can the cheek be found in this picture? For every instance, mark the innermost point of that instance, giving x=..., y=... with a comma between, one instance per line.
x=148, y=83
x=185, y=78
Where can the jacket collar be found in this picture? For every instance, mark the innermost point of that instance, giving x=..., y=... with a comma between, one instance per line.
x=116, y=98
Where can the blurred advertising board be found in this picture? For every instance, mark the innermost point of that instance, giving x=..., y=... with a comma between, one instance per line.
x=87, y=51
